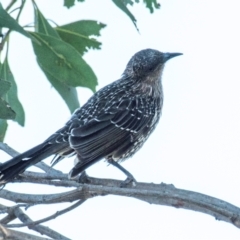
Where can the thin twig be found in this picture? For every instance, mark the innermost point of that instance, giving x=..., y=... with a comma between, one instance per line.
x=10, y=5
x=50, y=174
x=6, y=233
x=20, y=9
x=35, y=199
x=50, y=182
x=53, y=216
x=7, y=149
x=41, y=229
x=11, y=216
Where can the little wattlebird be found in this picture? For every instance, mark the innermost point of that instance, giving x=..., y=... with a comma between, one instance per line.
x=113, y=124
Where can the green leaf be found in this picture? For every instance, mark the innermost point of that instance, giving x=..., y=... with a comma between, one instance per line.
x=78, y=34
x=68, y=93
x=84, y=27
x=3, y=129
x=11, y=96
x=61, y=60
x=6, y=111
x=151, y=4
x=121, y=4
x=129, y=2
x=69, y=3
x=4, y=87
x=8, y=22
x=42, y=25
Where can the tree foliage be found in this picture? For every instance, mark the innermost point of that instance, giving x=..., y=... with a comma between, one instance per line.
x=59, y=52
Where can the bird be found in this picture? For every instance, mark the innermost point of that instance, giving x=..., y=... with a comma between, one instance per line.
x=112, y=125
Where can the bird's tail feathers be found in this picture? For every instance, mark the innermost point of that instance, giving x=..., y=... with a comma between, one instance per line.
x=15, y=166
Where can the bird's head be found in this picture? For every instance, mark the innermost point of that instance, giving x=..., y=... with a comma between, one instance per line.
x=147, y=63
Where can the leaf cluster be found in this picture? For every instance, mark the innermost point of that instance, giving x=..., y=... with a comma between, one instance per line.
x=59, y=53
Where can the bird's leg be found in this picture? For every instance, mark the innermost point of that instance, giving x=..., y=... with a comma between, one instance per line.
x=129, y=179
x=83, y=178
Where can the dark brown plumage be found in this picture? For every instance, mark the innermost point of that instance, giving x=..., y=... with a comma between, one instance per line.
x=113, y=124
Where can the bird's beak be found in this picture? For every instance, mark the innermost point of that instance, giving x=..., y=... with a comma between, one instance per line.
x=168, y=56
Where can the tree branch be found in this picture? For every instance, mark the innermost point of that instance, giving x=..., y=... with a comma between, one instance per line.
x=9, y=234
x=160, y=194
x=41, y=229
x=53, y=216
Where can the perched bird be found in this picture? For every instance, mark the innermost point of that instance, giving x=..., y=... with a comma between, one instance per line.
x=113, y=124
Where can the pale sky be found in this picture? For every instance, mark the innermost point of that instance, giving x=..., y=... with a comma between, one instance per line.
x=196, y=144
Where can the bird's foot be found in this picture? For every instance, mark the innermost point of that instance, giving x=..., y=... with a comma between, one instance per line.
x=129, y=181
x=83, y=178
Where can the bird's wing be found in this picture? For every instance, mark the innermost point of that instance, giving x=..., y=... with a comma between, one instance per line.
x=114, y=130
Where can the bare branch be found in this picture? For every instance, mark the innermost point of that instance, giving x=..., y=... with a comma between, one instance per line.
x=41, y=229
x=10, y=234
x=50, y=174
x=10, y=217
x=161, y=194
x=53, y=216
x=7, y=149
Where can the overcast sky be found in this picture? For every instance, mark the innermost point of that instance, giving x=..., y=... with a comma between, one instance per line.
x=196, y=144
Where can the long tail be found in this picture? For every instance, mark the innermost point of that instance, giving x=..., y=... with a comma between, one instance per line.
x=20, y=163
